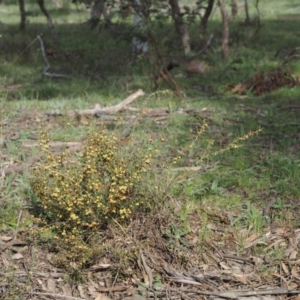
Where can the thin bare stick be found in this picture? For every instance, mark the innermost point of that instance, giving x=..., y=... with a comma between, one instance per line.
x=39, y=274
x=113, y=285
x=55, y=295
x=238, y=258
x=183, y=169
x=47, y=67
x=276, y=291
x=237, y=294
x=98, y=110
x=18, y=222
x=125, y=102
x=147, y=270
x=202, y=50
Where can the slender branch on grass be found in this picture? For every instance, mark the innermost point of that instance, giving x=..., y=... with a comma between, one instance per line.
x=47, y=65
x=40, y=274
x=238, y=258
x=113, y=285
x=275, y=291
x=18, y=223
x=98, y=110
x=194, y=169
x=55, y=295
x=268, y=207
x=238, y=294
x=147, y=270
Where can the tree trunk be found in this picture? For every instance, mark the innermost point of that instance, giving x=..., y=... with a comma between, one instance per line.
x=225, y=24
x=49, y=19
x=139, y=46
x=247, y=19
x=96, y=10
x=234, y=8
x=204, y=20
x=23, y=14
x=181, y=28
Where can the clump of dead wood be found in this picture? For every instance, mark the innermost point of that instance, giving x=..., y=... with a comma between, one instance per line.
x=267, y=82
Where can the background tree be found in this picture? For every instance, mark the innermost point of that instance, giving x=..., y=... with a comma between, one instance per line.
x=180, y=26
x=207, y=13
x=43, y=10
x=247, y=19
x=234, y=8
x=225, y=32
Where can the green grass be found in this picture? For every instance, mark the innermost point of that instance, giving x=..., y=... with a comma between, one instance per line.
x=237, y=184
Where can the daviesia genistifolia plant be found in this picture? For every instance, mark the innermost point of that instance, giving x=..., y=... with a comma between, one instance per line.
x=76, y=194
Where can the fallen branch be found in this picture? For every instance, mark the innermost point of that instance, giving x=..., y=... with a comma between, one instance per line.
x=147, y=270
x=98, y=110
x=55, y=295
x=47, y=65
x=40, y=274
x=276, y=291
x=182, y=169
x=57, y=144
x=116, y=288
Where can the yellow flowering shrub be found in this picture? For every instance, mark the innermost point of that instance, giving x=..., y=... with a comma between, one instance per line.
x=76, y=194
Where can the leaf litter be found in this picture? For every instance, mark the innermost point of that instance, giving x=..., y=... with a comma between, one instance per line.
x=267, y=82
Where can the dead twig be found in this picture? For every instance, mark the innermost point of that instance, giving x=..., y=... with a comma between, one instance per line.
x=113, y=285
x=57, y=144
x=98, y=110
x=276, y=291
x=238, y=294
x=237, y=258
x=268, y=207
x=55, y=295
x=116, y=288
x=184, y=169
x=18, y=223
x=47, y=65
x=147, y=270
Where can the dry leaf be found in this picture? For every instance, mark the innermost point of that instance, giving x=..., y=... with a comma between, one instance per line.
x=292, y=285
x=295, y=273
x=81, y=291
x=92, y=291
x=241, y=278
x=251, y=238
x=51, y=285
x=285, y=268
x=239, y=89
x=41, y=283
x=293, y=255
x=17, y=256
x=100, y=267
x=102, y=297
x=224, y=266
x=67, y=290
x=5, y=238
